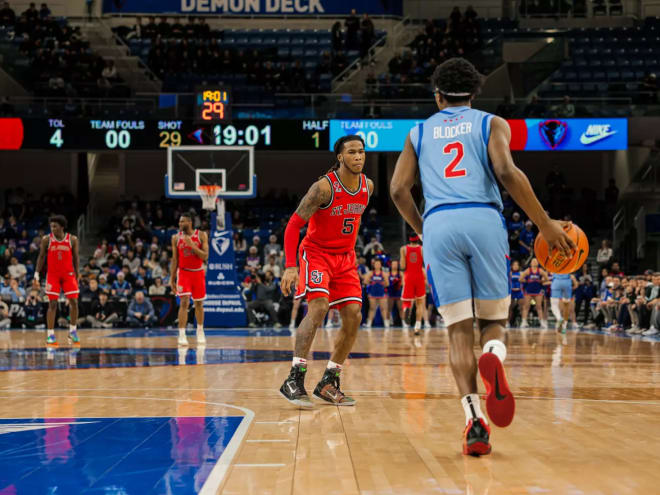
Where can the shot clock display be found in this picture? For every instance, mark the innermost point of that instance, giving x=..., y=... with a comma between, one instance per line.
x=212, y=104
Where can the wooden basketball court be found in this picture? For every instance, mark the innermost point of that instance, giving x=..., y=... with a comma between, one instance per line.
x=588, y=416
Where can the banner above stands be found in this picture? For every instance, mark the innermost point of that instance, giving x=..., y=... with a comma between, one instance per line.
x=255, y=7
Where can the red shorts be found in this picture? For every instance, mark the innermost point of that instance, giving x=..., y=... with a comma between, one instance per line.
x=191, y=283
x=413, y=288
x=56, y=282
x=333, y=276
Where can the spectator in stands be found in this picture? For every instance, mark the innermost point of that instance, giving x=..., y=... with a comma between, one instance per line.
x=372, y=248
x=5, y=320
x=256, y=243
x=337, y=37
x=240, y=245
x=203, y=29
x=157, y=289
x=604, y=255
x=514, y=227
x=273, y=267
x=526, y=241
x=31, y=14
x=140, y=311
x=102, y=314
x=253, y=259
x=17, y=270
x=272, y=247
x=34, y=311
x=566, y=109
x=352, y=24
x=266, y=292
x=131, y=262
x=44, y=11
x=616, y=271
x=7, y=15
x=121, y=288
x=89, y=293
x=535, y=108
x=367, y=33
x=164, y=28
x=14, y=293
x=151, y=29
x=470, y=13
x=176, y=30
x=651, y=304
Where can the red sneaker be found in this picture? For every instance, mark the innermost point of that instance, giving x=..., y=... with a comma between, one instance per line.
x=500, y=403
x=475, y=438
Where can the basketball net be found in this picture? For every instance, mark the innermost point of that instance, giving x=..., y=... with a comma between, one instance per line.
x=210, y=200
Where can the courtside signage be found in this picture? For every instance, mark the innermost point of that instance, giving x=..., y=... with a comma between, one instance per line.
x=254, y=7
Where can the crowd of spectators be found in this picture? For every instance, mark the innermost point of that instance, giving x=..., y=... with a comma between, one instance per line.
x=60, y=60
x=409, y=71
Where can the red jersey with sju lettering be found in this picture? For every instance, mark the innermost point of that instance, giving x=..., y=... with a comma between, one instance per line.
x=60, y=256
x=334, y=228
x=188, y=260
x=414, y=262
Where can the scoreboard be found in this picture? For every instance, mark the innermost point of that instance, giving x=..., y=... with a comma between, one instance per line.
x=119, y=135
x=286, y=135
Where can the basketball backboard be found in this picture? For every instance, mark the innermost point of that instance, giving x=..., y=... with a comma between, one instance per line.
x=231, y=167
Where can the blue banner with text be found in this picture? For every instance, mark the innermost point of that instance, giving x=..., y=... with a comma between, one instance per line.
x=224, y=305
x=254, y=7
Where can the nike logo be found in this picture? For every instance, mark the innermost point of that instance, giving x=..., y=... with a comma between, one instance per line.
x=334, y=397
x=291, y=389
x=498, y=396
x=579, y=256
x=584, y=139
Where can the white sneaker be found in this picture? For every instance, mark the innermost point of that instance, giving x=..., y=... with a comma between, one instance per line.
x=427, y=324
x=367, y=324
x=329, y=324
x=524, y=324
x=201, y=337
x=405, y=325
x=638, y=330
x=651, y=331
x=292, y=325
x=388, y=324
x=182, y=341
x=544, y=323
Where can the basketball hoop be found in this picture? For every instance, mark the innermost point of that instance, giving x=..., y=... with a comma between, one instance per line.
x=209, y=195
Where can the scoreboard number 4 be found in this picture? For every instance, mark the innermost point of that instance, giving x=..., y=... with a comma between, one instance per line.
x=56, y=139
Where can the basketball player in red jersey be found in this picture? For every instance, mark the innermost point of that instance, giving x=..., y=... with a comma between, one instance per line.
x=328, y=272
x=63, y=274
x=414, y=283
x=190, y=249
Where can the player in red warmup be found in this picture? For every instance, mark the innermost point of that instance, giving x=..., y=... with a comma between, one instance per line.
x=190, y=249
x=328, y=272
x=414, y=283
x=60, y=251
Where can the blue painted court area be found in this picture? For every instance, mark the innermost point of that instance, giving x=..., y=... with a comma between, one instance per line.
x=210, y=332
x=111, y=455
x=41, y=358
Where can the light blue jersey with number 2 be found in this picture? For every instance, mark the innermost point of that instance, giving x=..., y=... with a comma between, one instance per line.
x=465, y=237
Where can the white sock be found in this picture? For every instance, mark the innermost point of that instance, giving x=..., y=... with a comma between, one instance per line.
x=497, y=347
x=51, y=332
x=182, y=332
x=554, y=306
x=72, y=328
x=472, y=408
x=200, y=328
x=298, y=361
x=332, y=365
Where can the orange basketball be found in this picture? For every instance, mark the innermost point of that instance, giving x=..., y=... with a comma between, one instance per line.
x=555, y=261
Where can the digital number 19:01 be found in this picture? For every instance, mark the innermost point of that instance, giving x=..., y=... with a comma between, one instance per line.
x=230, y=136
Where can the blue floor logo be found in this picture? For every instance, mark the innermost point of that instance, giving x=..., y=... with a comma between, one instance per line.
x=112, y=455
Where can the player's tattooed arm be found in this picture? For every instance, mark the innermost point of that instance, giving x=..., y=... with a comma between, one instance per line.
x=174, y=264
x=43, y=247
x=318, y=195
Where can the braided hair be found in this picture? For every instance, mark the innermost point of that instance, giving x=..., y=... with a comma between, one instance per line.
x=339, y=147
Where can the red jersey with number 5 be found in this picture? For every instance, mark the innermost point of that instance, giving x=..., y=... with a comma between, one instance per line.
x=60, y=256
x=334, y=228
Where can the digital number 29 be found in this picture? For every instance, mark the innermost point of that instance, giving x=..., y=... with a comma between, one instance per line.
x=210, y=108
x=450, y=170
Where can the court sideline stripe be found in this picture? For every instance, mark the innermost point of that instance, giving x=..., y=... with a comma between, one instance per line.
x=217, y=475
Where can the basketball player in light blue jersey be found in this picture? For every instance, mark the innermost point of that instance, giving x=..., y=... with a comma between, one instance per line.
x=562, y=289
x=460, y=153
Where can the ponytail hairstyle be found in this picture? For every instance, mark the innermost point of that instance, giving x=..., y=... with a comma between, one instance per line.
x=339, y=147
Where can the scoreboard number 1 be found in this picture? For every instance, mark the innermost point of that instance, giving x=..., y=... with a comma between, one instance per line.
x=56, y=139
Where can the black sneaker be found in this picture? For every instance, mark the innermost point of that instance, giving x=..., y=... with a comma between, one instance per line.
x=328, y=390
x=476, y=438
x=293, y=388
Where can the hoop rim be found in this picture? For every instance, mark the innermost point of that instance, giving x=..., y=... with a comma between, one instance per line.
x=209, y=194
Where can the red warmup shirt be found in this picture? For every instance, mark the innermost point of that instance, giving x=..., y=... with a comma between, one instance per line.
x=334, y=228
x=60, y=255
x=188, y=260
x=414, y=262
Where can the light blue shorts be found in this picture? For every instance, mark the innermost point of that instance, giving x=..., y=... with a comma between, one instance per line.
x=466, y=251
x=562, y=289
